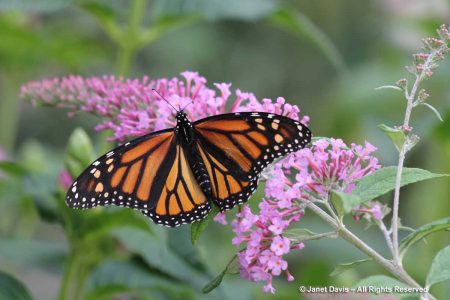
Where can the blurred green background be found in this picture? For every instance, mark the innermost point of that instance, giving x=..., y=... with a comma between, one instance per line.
x=325, y=56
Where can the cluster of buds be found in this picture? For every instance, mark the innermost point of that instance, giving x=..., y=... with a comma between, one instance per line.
x=435, y=49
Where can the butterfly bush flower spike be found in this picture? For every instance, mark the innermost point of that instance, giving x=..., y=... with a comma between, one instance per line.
x=306, y=175
x=327, y=165
x=262, y=258
x=130, y=109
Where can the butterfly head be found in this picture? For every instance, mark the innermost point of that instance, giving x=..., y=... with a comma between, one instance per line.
x=184, y=127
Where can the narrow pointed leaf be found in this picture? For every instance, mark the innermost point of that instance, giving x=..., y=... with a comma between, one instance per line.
x=197, y=228
x=231, y=268
x=422, y=232
x=156, y=253
x=382, y=181
x=12, y=289
x=393, y=87
x=300, y=25
x=343, y=202
x=214, y=283
x=12, y=168
x=299, y=234
x=112, y=279
x=341, y=268
x=440, y=268
x=397, y=136
x=433, y=109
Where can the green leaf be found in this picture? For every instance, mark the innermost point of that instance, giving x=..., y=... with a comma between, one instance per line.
x=29, y=252
x=422, y=232
x=12, y=289
x=106, y=15
x=214, y=283
x=341, y=268
x=393, y=87
x=95, y=224
x=382, y=181
x=12, y=168
x=440, y=268
x=197, y=228
x=33, y=5
x=343, y=202
x=103, y=12
x=299, y=235
x=433, y=109
x=231, y=268
x=113, y=278
x=383, y=284
x=80, y=152
x=397, y=136
x=155, y=253
x=301, y=26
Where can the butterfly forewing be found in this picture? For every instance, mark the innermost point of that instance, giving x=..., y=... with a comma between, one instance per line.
x=124, y=176
x=236, y=147
x=151, y=174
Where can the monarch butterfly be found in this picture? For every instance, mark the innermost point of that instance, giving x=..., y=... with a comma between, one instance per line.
x=173, y=175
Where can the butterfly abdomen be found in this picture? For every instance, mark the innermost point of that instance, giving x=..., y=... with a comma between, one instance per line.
x=200, y=173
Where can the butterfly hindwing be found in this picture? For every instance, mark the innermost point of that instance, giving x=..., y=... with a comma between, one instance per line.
x=227, y=188
x=181, y=199
x=235, y=148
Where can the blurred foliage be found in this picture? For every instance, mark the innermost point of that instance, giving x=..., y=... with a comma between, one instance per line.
x=326, y=56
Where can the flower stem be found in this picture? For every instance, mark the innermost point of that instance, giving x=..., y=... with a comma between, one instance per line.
x=124, y=59
x=410, y=98
x=130, y=42
x=73, y=278
x=346, y=234
x=387, y=236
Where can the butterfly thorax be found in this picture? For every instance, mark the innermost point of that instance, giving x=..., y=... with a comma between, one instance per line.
x=184, y=130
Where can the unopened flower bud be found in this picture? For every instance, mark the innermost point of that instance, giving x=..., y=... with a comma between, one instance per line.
x=402, y=83
x=423, y=95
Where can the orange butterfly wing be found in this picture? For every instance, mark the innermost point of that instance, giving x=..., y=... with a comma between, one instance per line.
x=149, y=174
x=181, y=200
x=235, y=148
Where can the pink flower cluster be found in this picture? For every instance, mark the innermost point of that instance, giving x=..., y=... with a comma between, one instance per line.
x=262, y=258
x=131, y=109
x=328, y=165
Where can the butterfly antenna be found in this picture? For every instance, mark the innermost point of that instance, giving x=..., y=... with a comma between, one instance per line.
x=192, y=101
x=161, y=96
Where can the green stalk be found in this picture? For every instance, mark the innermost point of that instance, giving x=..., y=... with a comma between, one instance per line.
x=124, y=58
x=130, y=42
x=9, y=113
x=397, y=270
x=74, y=275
